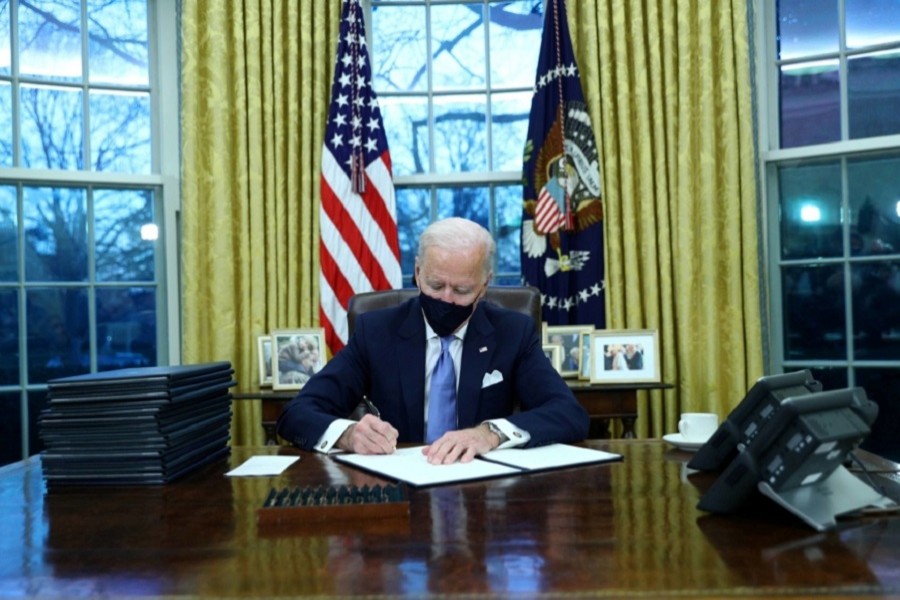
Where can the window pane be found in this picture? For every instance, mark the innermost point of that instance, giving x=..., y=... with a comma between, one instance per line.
x=811, y=211
x=6, y=127
x=515, y=39
x=50, y=39
x=810, y=102
x=467, y=202
x=413, y=216
x=814, y=319
x=507, y=232
x=873, y=94
x=832, y=378
x=120, y=132
x=874, y=199
x=876, y=309
x=9, y=337
x=121, y=252
x=5, y=40
x=118, y=42
x=457, y=47
x=807, y=27
x=406, y=126
x=55, y=234
x=9, y=235
x=509, y=127
x=58, y=343
x=126, y=328
x=459, y=134
x=51, y=127
x=10, y=433
x=872, y=22
x=37, y=401
x=882, y=386
x=398, y=49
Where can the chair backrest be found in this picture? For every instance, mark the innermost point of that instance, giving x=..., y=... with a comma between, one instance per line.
x=523, y=299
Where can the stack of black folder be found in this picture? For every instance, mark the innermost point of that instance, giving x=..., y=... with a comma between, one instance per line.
x=145, y=425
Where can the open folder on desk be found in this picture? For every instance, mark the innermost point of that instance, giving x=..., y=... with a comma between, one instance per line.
x=410, y=465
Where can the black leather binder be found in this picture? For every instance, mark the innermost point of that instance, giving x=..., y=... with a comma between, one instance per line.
x=136, y=426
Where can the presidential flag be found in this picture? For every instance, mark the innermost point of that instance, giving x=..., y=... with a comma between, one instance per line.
x=358, y=248
x=562, y=220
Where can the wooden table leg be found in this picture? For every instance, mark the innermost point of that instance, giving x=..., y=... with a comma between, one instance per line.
x=605, y=404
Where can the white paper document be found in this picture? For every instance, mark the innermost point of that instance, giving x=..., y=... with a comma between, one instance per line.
x=263, y=465
x=552, y=456
x=411, y=466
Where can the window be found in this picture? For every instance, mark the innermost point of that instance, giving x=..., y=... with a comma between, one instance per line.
x=454, y=82
x=82, y=269
x=831, y=157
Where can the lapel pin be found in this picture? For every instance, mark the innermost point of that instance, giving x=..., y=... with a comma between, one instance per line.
x=483, y=349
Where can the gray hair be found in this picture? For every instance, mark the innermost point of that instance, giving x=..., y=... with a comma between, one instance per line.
x=458, y=234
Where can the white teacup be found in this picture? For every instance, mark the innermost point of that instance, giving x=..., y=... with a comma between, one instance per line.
x=697, y=427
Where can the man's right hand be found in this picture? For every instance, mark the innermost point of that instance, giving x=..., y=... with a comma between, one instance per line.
x=370, y=436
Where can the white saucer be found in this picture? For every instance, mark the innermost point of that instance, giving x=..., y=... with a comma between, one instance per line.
x=682, y=444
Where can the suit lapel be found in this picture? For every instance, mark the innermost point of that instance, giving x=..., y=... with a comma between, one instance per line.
x=478, y=348
x=411, y=368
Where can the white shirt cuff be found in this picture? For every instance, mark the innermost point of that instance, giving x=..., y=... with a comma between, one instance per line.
x=515, y=437
x=337, y=428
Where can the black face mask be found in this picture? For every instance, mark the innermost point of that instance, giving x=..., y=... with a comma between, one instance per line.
x=444, y=317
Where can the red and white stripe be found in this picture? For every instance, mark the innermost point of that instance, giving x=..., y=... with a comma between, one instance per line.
x=358, y=245
x=547, y=216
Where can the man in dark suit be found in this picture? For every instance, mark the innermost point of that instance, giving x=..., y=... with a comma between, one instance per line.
x=507, y=392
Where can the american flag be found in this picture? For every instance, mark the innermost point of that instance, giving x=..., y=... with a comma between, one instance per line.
x=562, y=213
x=358, y=246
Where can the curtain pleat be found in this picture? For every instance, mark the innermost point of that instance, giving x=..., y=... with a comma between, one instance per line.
x=668, y=86
x=255, y=83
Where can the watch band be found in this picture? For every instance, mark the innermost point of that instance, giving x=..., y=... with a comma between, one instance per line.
x=492, y=427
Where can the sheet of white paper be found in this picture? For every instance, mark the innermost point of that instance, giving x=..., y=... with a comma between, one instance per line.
x=263, y=465
x=410, y=465
x=552, y=456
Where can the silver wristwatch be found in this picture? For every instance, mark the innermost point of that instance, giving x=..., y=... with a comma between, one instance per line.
x=492, y=427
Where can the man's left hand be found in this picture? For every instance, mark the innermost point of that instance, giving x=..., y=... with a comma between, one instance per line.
x=463, y=445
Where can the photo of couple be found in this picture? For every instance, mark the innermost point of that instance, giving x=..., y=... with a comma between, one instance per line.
x=623, y=357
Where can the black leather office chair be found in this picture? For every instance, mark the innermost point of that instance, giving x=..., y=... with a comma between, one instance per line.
x=523, y=299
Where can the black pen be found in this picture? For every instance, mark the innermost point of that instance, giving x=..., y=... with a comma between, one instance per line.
x=371, y=407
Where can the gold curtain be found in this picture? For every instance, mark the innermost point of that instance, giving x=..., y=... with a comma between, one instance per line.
x=255, y=84
x=668, y=86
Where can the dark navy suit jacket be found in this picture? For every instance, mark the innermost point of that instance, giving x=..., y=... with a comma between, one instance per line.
x=385, y=359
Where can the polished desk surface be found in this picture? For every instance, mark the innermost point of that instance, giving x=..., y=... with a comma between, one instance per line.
x=618, y=529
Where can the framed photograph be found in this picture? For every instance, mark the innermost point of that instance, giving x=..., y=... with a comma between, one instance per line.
x=264, y=350
x=569, y=337
x=584, y=358
x=553, y=352
x=297, y=354
x=625, y=356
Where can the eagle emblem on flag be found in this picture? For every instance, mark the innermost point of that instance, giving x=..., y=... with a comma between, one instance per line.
x=567, y=175
x=562, y=210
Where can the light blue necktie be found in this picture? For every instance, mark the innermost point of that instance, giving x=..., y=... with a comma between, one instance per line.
x=442, y=395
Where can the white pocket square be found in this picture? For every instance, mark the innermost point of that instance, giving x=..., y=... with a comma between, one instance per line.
x=491, y=378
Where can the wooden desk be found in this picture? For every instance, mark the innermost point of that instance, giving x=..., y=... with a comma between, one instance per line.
x=608, y=401
x=604, y=402
x=613, y=530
